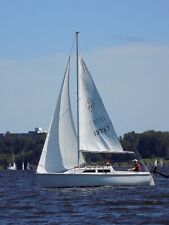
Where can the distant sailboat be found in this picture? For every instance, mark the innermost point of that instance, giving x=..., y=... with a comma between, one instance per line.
x=158, y=163
x=155, y=162
x=23, y=166
x=161, y=163
x=12, y=166
x=28, y=166
x=62, y=163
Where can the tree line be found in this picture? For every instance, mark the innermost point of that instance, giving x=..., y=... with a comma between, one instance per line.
x=27, y=147
x=23, y=147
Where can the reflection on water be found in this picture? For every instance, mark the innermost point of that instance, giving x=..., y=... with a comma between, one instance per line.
x=22, y=201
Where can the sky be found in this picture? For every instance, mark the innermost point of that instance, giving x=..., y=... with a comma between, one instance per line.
x=125, y=44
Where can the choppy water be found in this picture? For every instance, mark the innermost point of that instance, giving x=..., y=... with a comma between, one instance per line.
x=22, y=201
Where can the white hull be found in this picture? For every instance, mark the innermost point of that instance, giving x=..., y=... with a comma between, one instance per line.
x=12, y=168
x=90, y=180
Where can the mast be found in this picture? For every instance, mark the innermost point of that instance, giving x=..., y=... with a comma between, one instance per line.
x=77, y=68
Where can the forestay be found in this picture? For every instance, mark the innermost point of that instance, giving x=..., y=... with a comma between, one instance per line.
x=96, y=131
x=60, y=151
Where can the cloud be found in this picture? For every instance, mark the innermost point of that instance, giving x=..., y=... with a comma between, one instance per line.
x=135, y=79
x=126, y=38
x=132, y=79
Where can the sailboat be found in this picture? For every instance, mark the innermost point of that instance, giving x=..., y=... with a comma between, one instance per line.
x=62, y=163
x=161, y=163
x=12, y=166
x=23, y=166
x=28, y=166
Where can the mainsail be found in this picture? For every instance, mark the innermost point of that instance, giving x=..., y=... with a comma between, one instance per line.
x=96, y=131
x=60, y=151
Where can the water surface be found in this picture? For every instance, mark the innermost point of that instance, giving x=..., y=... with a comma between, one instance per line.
x=23, y=201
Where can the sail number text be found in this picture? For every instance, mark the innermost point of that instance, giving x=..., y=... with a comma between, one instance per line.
x=101, y=130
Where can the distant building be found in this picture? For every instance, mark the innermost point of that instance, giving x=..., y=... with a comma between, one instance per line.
x=38, y=130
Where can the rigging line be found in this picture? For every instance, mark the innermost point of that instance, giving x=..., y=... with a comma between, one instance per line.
x=142, y=161
x=124, y=122
x=71, y=49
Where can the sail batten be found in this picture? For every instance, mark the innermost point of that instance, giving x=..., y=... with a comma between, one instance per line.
x=108, y=151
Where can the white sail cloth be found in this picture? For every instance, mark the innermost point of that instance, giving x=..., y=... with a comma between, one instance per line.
x=60, y=151
x=96, y=130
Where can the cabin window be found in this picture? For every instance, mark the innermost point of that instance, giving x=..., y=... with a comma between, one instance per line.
x=89, y=171
x=104, y=171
